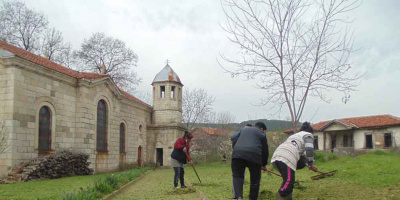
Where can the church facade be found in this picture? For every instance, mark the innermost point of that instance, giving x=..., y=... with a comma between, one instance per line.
x=46, y=108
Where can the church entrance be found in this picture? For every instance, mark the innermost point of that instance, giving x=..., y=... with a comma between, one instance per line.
x=159, y=158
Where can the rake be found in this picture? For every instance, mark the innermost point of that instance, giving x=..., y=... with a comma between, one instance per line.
x=187, y=156
x=323, y=174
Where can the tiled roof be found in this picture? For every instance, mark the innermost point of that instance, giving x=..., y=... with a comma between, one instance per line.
x=130, y=97
x=26, y=55
x=361, y=122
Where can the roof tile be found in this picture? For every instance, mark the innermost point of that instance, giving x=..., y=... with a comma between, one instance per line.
x=363, y=122
x=26, y=55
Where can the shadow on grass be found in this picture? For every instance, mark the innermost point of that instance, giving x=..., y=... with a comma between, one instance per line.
x=181, y=191
x=298, y=186
x=266, y=194
x=206, y=184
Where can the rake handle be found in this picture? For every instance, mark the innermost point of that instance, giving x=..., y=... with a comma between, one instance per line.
x=187, y=156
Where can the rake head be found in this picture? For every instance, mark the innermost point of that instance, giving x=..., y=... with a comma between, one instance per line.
x=323, y=175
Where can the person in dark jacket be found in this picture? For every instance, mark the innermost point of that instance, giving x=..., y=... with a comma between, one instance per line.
x=179, y=156
x=250, y=150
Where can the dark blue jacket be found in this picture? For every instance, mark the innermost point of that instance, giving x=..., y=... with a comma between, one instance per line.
x=252, y=146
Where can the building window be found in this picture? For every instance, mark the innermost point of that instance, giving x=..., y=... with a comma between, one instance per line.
x=316, y=142
x=345, y=141
x=162, y=91
x=44, y=129
x=179, y=94
x=172, y=92
x=351, y=140
x=388, y=139
x=101, y=130
x=368, y=142
x=122, y=131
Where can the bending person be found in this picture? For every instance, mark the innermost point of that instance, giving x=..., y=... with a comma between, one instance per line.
x=289, y=156
x=250, y=150
x=180, y=156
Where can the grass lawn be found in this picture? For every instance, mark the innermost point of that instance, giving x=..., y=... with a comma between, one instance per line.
x=373, y=176
x=158, y=185
x=49, y=189
x=370, y=176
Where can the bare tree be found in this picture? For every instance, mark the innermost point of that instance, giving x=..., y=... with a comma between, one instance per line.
x=54, y=48
x=21, y=26
x=4, y=145
x=118, y=59
x=146, y=97
x=196, y=105
x=296, y=48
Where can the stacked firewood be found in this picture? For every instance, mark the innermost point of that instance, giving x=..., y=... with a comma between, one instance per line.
x=62, y=164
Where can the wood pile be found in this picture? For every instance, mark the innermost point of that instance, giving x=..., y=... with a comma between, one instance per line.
x=61, y=164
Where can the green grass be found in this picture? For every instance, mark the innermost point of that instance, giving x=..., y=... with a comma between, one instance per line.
x=370, y=176
x=373, y=176
x=55, y=188
x=158, y=185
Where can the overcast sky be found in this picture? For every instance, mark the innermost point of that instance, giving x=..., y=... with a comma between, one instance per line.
x=188, y=33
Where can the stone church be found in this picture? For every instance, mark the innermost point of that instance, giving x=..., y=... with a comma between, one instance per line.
x=46, y=108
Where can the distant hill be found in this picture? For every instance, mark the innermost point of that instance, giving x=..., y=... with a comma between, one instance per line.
x=272, y=125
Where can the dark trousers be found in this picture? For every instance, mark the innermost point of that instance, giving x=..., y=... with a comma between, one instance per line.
x=179, y=174
x=238, y=168
x=288, y=176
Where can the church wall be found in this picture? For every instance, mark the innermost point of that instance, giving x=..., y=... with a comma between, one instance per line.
x=162, y=137
x=34, y=89
x=27, y=87
x=6, y=114
x=120, y=111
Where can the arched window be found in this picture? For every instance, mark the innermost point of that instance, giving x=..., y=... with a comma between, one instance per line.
x=101, y=130
x=44, y=129
x=122, y=138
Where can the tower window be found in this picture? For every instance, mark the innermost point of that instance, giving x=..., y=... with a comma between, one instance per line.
x=162, y=91
x=172, y=92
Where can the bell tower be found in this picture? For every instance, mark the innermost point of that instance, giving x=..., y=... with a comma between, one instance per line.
x=167, y=97
x=166, y=126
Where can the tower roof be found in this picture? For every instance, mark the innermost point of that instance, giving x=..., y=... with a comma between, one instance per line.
x=167, y=74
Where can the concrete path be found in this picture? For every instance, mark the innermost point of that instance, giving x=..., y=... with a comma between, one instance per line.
x=158, y=185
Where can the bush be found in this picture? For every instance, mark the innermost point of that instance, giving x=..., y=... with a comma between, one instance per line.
x=380, y=152
x=113, y=181
x=89, y=194
x=62, y=164
x=323, y=156
x=102, y=187
x=105, y=185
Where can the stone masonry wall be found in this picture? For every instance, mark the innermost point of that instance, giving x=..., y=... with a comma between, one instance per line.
x=26, y=87
x=6, y=114
x=32, y=90
x=134, y=116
